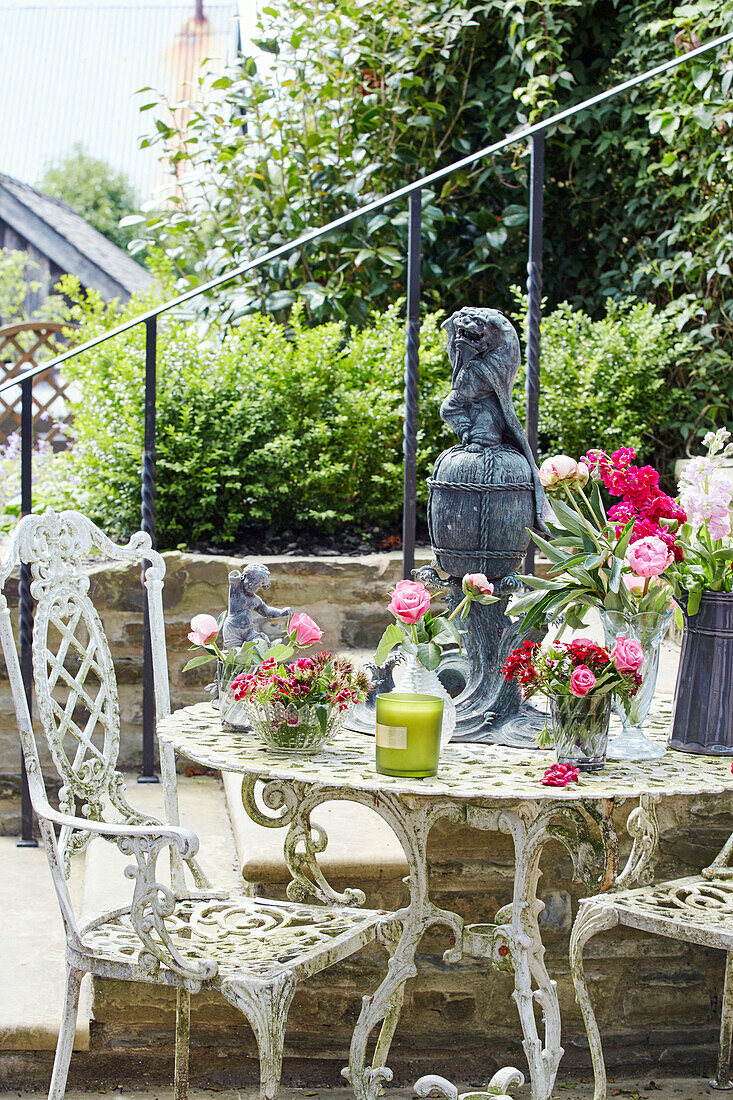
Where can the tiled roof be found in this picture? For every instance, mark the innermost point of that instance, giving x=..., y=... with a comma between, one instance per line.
x=70, y=71
x=69, y=241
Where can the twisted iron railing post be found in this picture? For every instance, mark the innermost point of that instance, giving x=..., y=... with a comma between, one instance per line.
x=149, y=525
x=25, y=601
x=534, y=292
x=412, y=379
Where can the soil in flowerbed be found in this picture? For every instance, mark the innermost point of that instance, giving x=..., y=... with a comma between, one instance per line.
x=349, y=541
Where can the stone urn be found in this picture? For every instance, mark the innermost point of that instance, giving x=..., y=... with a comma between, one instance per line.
x=484, y=498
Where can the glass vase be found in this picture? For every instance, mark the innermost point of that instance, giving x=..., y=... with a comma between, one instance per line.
x=580, y=729
x=648, y=628
x=294, y=729
x=418, y=680
x=231, y=712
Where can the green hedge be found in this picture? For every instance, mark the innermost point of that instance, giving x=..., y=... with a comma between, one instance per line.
x=284, y=428
x=612, y=382
x=264, y=427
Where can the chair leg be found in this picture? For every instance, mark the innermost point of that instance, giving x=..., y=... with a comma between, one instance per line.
x=722, y=1078
x=592, y=918
x=67, y=1031
x=183, y=1035
x=266, y=1008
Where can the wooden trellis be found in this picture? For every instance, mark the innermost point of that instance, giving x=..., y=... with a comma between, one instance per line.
x=21, y=345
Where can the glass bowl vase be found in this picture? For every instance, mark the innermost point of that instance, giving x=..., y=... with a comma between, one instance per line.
x=295, y=729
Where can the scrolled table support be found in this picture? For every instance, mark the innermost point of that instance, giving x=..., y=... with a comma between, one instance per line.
x=488, y=787
x=643, y=828
x=497, y=1088
x=516, y=938
x=411, y=820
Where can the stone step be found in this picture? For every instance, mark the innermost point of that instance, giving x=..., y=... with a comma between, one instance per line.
x=32, y=948
x=32, y=942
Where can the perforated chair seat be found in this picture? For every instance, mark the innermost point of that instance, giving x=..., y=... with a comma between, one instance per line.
x=250, y=939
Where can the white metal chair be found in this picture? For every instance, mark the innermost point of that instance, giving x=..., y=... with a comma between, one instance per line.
x=252, y=950
x=698, y=909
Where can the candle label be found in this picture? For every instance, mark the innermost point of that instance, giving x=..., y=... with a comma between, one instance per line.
x=391, y=737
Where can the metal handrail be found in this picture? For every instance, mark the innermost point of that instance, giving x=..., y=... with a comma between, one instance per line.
x=536, y=134
x=377, y=204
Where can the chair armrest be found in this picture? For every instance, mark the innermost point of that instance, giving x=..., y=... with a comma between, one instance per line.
x=184, y=840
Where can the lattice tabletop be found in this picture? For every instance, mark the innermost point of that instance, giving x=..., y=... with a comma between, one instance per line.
x=467, y=772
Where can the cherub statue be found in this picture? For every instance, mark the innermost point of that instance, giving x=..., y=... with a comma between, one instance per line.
x=243, y=600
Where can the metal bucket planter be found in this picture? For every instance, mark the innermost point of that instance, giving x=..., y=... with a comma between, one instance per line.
x=703, y=697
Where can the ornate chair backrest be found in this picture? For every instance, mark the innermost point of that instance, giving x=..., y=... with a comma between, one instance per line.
x=73, y=672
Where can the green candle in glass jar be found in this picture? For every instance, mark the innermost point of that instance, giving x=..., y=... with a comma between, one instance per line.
x=408, y=734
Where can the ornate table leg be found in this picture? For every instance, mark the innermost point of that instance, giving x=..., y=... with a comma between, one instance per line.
x=411, y=820
x=497, y=1088
x=514, y=942
x=643, y=828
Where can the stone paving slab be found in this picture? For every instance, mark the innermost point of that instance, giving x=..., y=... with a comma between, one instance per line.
x=32, y=943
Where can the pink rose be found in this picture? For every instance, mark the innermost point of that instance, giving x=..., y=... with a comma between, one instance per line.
x=204, y=628
x=410, y=600
x=555, y=471
x=477, y=584
x=649, y=557
x=305, y=630
x=582, y=681
x=627, y=654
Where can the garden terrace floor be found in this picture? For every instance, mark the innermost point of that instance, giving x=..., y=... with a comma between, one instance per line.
x=673, y=1088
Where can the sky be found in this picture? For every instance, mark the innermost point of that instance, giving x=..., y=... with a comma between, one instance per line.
x=72, y=68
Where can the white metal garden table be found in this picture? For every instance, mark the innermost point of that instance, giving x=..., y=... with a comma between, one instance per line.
x=486, y=787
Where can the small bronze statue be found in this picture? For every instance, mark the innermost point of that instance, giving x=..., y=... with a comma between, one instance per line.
x=485, y=497
x=243, y=600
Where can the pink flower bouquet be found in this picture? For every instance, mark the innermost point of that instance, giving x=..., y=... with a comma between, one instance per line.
x=706, y=538
x=417, y=630
x=302, y=632
x=615, y=560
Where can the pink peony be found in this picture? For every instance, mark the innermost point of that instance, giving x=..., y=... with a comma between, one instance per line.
x=410, y=600
x=627, y=654
x=477, y=584
x=204, y=628
x=582, y=681
x=649, y=557
x=305, y=630
x=559, y=775
x=559, y=470
x=634, y=584
x=583, y=474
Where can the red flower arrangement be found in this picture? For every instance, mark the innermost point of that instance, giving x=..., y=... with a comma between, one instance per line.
x=311, y=681
x=579, y=668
